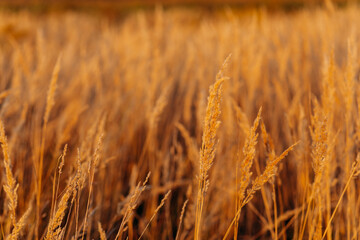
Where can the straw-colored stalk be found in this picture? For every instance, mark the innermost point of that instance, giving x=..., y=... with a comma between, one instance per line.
x=245, y=173
x=10, y=186
x=181, y=219
x=156, y=211
x=131, y=206
x=56, y=181
x=319, y=135
x=92, y=165
x=50, y=101
x=101, y=232
x=54, y=229
x=16, y=233
x=209, y=143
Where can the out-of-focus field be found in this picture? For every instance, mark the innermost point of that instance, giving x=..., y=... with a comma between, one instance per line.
x=109, y=130
x=124, y=6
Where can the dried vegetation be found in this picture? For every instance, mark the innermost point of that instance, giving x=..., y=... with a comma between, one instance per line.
x=138, y=128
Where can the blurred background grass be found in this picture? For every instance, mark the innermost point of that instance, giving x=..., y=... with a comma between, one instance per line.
x=116, y=6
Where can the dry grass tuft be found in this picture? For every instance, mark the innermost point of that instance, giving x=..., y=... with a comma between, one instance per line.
x=55, y=229
x=209, y=142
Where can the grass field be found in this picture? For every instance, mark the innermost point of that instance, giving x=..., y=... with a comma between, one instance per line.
x=180, y=123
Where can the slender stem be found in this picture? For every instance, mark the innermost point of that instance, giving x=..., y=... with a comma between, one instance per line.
x=338, y=203
x=275, y=212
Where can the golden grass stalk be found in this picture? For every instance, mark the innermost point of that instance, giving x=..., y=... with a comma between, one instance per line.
x=56, y=181
x=4, y=94
x=49, y=105
x=249, y=151
x=181, y=219
x=54, y=229
x=275, y=211
x=268, y=173
x=270, y=155
x=355, y=171
x=159, y=107
x=209, y=142
x=154, y=117
x=319, y=154
x=62, y=162
x=10, y=186
x=50, y=101
x=101, y=232
x=328, y=98
x=19, y=226
x=93, y=163
x=156, y=211
x=192, y=152
x=131, y=206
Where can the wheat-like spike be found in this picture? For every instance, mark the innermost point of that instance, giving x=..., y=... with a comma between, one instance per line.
x=56, y=181
x=249, y=152
x=319, y=154
x=190, y=145
x=181, y=219
x=49, y=104
x=270, y=171
x=94, y=162
x=92, y=165
x=350, y=75
x=160, y=105
x=328, y=95
x=62, y=161
x=19, y=226
x=211, y=124
x=319, y=146
x=209, y=142
x=243, y=121
x=50, y=101
x=10, y=186
x=102, y=232
x=131, y=206
x=87, y=144
x=270, y=149
x=54, y=229
x=243, y=180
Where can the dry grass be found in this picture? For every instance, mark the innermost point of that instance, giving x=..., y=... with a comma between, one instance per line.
x=90, y=105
